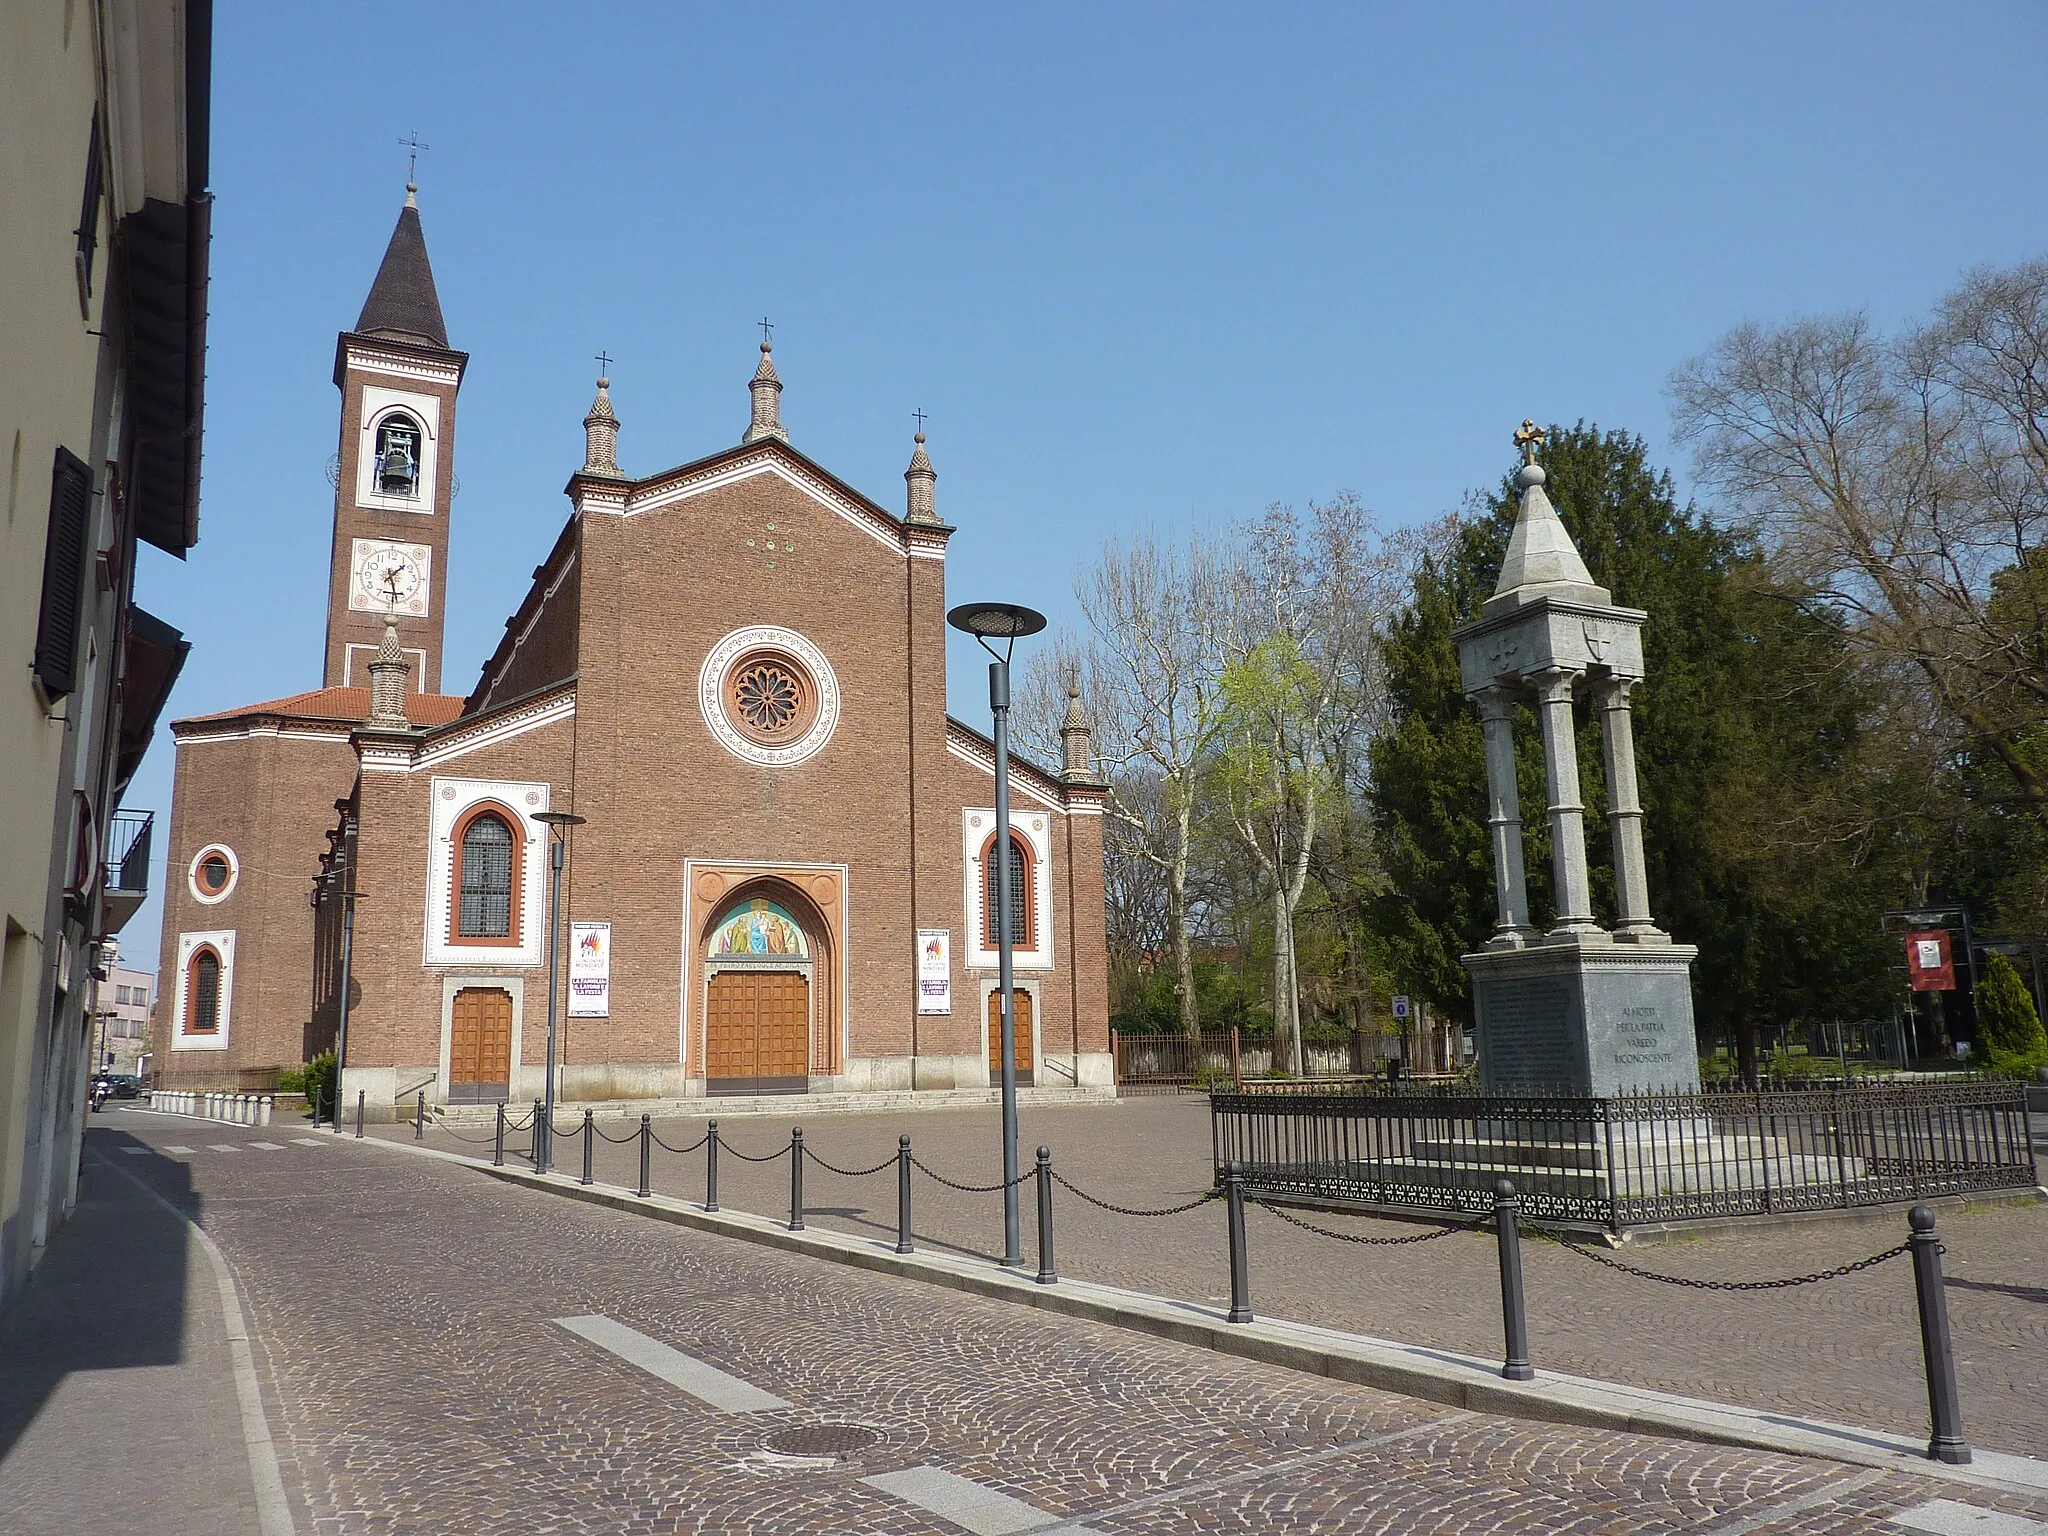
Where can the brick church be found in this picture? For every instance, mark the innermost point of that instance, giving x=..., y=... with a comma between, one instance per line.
x=734, y=672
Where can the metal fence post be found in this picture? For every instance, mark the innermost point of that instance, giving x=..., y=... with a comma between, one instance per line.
x=1047, y=1274
x=711, y=1167
x=359, y=1114
x=646, y=1152
x=498, y=1139
x=589, y=1126
x=1514, y=1317
x=903, y=1243
x=1947, y=1442
x=1240, y=1276
x=796, y=1180
x=419, y=1118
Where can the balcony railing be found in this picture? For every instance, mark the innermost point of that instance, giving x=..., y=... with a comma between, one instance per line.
x=126, y=885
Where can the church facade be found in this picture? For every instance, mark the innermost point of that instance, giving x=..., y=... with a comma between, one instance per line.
x=733, y=672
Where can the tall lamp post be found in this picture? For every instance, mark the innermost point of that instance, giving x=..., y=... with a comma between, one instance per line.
x=1007, y=622
x=558, y=824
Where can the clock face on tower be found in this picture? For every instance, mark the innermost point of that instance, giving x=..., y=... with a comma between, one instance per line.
x=386, y=576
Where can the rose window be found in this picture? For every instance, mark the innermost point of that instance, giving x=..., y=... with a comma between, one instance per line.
x=770, y=698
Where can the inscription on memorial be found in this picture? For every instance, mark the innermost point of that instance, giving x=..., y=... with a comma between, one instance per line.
x=1525, y=1030
x=1642, y=1039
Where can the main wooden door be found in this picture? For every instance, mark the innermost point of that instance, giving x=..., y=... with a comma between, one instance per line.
x=757, y=1032
x=1025, y=1061
x=480, y=1046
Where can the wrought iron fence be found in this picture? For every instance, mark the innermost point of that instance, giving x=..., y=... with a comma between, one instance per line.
x=1623, y=1162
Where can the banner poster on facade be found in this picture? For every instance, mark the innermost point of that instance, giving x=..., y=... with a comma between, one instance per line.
x=935, y=970
x=1929, y=963
x=590, y=970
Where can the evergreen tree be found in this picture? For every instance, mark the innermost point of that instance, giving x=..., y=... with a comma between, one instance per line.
x=2009, y=1030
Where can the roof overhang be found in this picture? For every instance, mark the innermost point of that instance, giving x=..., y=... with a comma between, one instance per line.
x=152, y=658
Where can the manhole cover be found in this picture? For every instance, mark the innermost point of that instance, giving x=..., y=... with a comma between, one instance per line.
x=821, y=1440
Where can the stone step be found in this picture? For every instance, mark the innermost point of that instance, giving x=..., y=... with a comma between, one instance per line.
x=724, y=1108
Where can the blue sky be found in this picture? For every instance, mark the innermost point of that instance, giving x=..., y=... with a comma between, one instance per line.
x=1141, y=264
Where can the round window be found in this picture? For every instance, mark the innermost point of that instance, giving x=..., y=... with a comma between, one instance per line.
x=770, y=697
x=213, y=872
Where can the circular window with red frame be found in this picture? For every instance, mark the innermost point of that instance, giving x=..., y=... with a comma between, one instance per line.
x=769, y=696
x=213, y=873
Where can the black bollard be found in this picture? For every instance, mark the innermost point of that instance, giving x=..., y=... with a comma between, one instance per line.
x=711, y=1167
x=1047, y=1275
x=903, y=1243
x=534, y=1155
x=589, y=1127
x=419, y=1118
x=359, y=1114
x=1240, y=1271
x=795, y=1180
x=646, y=1151
x=1514, y=1317
x=498, y=1139
x=1947, y=1442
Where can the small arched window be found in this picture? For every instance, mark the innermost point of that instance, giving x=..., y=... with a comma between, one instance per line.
x=398, y=456
x=485, y=877
x=202, y=1015
x=1021, y=915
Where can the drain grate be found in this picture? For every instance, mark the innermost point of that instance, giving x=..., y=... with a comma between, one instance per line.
x=821, y=1440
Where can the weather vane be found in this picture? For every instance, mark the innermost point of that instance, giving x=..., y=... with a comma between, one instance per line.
x=1527, y=436
x=412, y=163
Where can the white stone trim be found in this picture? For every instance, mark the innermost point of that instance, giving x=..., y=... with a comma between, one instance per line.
x=378, y=404
x=448, y=800
x=883, y=531
x=711, y=695
x=1022, y=778
x=977, y=826
x=529, y=718
x=222, y=941
x=401, y=367
x=199, y=892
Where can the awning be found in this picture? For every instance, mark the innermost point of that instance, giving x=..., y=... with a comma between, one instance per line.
x=155, y=655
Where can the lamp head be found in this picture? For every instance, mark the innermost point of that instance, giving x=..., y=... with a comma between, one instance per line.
x=996, y=621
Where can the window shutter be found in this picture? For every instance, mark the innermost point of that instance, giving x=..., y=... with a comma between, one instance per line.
x=89, y=212
x=64, y=562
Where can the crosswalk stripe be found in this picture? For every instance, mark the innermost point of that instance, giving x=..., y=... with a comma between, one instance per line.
x=136, y=1151
x=707, y=1383
x=968, y=1504
x=266, y=1146
x=1945, y=1517
x=222, y=1146
x=308, y=1141
x=181, y=1151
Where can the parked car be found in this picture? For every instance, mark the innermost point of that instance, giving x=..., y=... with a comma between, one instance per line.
x=117, y=1085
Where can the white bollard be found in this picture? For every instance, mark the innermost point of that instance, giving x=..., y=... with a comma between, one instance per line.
x=263, y=1111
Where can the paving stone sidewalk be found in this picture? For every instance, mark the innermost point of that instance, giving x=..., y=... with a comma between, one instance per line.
x=1847, y=1349
x=408, y=1317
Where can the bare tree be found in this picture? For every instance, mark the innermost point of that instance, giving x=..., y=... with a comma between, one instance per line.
x=1905, y=483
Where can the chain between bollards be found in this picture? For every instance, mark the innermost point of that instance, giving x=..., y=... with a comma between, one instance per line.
x=711, y=1166
x=589, y=1128
x=646, y=1152
x=1946, y=1443
x=359, y=1114
x=903, y=1243
x=498, y=1139
x=796, y=1180
x=419, y=1118
x=1514, y=1316
x=1047, y=1274
x=1240, y=1272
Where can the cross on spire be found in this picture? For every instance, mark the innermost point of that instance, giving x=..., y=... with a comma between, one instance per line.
x=412, y=162
x=604, y=362
x=919, y=414
x=767, y=329
x=1527, y=437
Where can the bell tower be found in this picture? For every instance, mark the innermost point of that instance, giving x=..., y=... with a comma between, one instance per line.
x=398, y=379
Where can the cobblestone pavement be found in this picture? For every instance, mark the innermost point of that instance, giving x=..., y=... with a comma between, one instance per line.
x=402, y=1311
x=1846, y=1349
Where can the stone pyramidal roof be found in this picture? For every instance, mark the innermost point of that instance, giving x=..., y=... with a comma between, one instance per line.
x=403, y=303
x=1541, y=560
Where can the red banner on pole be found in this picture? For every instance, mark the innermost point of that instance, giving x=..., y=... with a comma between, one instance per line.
x=1928, y=962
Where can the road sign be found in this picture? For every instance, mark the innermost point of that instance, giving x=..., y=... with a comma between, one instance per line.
x=1401, y=1006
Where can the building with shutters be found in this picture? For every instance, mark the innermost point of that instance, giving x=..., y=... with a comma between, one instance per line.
x=734, y=671
x=103, y=264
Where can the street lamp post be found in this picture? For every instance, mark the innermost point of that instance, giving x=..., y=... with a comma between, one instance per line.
x=1009, y=623
x=558, y=824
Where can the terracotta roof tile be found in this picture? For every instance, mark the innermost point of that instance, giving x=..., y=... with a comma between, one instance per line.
x=351, y=704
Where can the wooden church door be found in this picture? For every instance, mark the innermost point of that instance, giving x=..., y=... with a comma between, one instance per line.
x=1025, y=1061
x=480, y=1046
x=757, y=1032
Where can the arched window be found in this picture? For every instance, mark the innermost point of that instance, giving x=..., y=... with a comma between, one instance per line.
x=1022, y=925
x=202, y=992
x=486, y=877
x=398, y=456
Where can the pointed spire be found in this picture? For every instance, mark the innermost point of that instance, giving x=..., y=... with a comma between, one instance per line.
x=920, y=479
x=1077, y=751
x=767, y=390
x=403, y=303
x=1541, y=560
x=601, y=434
x=387, y=683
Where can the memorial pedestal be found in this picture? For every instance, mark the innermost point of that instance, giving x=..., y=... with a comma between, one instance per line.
x=1586, y=1014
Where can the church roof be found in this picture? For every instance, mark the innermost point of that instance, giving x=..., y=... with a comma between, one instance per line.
x=341, y=704
x=403, y=302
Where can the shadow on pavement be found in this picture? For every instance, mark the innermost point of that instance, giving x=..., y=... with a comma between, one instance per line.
x=110, y=1291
